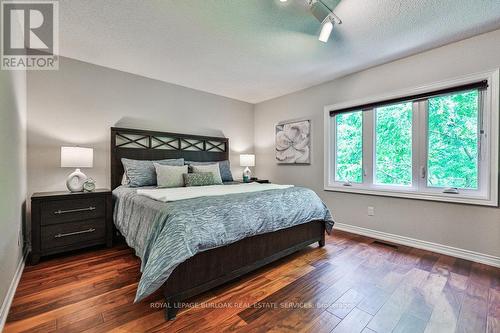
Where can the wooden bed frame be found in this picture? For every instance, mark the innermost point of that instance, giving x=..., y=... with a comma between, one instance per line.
x=211, y=268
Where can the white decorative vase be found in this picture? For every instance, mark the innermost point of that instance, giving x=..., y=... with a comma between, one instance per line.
x=75, y=181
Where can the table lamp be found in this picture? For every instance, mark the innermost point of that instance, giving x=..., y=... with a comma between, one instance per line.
x=76, y=157
x=247, y=160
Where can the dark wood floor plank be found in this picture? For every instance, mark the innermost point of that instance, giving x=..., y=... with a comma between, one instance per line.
x=446, y=311
x=367, y=330
x=237, y=295
x=296, y=320
x=324, y=323
x=481, y=274
x=474, y=311
x=82, y=325
x=67, y=277
x=427, y=261
x=300, y=290
x=83, y=314
x=495, y=278
x=72, y=296
x=410, y=323
x=381, y=289
x=462, y=267
x=493, y=321
x=389, y=315
x=374, y=301
x=90, y=306
x=346, y=303
x=46, y=327
x=237, y=299
x=443, y=265
x=355, y=322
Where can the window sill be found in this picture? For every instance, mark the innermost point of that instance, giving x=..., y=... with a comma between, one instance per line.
x=408, y=194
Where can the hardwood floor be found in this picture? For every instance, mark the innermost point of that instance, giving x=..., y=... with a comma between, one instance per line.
x=353, y=284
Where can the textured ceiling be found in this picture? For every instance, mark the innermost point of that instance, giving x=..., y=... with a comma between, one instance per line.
x=253, y=50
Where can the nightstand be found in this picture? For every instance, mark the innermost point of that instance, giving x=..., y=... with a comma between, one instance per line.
x=260, y=181
x=63, y=221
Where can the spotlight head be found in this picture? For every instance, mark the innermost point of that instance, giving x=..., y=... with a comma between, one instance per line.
x=326, y=31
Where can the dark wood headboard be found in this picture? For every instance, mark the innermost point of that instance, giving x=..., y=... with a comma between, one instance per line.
x=140, y=144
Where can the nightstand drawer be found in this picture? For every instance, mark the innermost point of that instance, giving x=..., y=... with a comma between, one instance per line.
x=65, y=234
x=53, y=212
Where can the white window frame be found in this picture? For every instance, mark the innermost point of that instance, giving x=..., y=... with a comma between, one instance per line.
x=487, y=194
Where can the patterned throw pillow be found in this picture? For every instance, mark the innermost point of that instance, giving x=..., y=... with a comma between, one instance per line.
x=199, y=179
x=213, y=168
x=142, y=173
x=224, y=168
x=170, y=175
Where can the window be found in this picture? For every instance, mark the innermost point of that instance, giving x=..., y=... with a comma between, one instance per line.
x=453, y=141
x=349, y=141
x=393, y=142
x=438, y=144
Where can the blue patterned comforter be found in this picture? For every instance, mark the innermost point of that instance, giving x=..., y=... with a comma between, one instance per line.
x=164, y=235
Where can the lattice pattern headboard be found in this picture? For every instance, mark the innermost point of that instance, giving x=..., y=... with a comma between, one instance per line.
x=149, y=145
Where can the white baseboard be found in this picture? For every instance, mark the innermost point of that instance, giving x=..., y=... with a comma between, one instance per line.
x=4, y=311
x=421, y=244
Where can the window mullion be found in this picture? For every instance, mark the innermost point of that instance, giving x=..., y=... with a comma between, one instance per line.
x=368, y=142
x=483, y=145
x=421, y=170
x=415, y=145
x=332, y=151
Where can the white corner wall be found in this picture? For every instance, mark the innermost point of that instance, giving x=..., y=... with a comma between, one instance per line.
x=12, y=182
x=466, y=227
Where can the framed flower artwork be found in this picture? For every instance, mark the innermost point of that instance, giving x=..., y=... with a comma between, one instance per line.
x=293, y=142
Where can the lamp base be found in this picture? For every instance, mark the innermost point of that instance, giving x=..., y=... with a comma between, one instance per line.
x=247, y=174
x=75, y=181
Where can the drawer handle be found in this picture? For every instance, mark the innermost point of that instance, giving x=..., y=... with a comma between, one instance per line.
x=59, y=212
x=75, y=233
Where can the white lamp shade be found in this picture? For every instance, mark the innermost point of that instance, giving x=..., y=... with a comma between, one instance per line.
x=77, y=157
x=247, y=160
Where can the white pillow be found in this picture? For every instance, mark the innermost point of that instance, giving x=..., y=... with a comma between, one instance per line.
x=213, y=168
x=170, y=175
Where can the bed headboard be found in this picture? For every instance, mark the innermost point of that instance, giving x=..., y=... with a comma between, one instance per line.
x=140, y=144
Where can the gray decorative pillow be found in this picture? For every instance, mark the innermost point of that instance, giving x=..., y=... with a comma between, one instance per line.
x=142, y=173
x=213, y=168
x=224, y=168
x=170, y=175
x=199, y=179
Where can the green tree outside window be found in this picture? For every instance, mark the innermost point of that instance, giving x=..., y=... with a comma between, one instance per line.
x=453, y=140
x=349, y=140
x=393, y=147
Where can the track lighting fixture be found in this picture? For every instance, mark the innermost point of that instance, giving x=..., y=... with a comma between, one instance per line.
x=326, y=16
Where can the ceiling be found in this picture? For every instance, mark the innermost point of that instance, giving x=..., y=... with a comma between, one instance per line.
x=254, y=50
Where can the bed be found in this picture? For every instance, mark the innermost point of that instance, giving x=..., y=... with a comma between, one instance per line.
x=236, y=249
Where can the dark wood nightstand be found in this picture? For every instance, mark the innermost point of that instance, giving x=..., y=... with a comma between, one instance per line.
x=63, y=221
x=260, y=181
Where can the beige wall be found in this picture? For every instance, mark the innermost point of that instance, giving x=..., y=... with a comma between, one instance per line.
x=12, y=174
x=78, y=104
x=463, y=226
